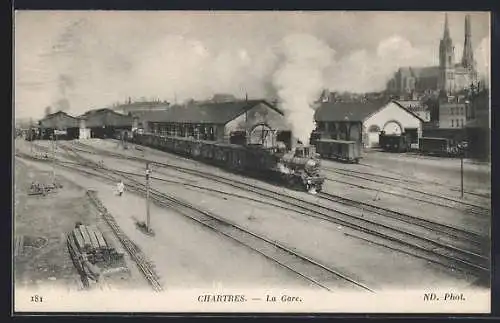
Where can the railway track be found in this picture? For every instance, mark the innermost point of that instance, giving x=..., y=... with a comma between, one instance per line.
x=433, y=200
x=304, y=266
x=452, y=231
x=144, y=265
x=408, y=179
x=476, y=208
x=404, y=179
x=434, y=250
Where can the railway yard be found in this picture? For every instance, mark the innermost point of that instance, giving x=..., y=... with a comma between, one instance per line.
x=389, y=222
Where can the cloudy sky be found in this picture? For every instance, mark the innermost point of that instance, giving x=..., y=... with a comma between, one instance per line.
x=81, y=60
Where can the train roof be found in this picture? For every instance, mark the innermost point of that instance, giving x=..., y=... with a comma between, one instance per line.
x=337, y=141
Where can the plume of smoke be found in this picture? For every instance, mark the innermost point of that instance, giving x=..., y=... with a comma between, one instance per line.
x=299, y=80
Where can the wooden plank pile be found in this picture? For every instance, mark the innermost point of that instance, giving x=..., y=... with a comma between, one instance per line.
x=43, y=189
x=92, y=254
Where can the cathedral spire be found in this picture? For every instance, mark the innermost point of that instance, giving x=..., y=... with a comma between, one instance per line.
x=468, y=56
x=446, y=34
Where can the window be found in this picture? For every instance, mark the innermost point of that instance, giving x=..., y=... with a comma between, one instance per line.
x=458, y=124
x=452, y=122
x=452, y=110
x=461, y=110
x=462, y=122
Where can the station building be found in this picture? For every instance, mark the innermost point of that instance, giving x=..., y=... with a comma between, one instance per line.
x=237, y=122
x=61, y=124
x=363, y=122
x=104, y=123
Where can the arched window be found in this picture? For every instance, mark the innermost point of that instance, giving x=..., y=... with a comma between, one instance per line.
x=452, y=123
x=374, y=128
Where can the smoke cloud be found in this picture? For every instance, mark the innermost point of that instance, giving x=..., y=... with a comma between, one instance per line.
x=364, y=71
x=299, y=80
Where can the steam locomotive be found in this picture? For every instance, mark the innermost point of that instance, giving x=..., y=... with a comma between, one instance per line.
x=297, y=167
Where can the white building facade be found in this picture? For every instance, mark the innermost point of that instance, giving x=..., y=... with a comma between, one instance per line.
x=392, y=118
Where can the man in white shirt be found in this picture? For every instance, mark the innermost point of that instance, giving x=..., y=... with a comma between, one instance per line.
x=120, y=187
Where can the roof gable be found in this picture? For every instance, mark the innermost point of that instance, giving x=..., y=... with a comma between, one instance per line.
x=105, y=117
x=408, y=111
x=59, y=120
x=346, y=111
x=213, y=113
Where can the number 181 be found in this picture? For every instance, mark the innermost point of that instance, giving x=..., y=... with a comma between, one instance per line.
x=36, y=299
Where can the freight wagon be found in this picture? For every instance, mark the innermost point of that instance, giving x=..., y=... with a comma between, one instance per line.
x=297, y=167
x=394, y=143
x=437, y=147
x=348, y=151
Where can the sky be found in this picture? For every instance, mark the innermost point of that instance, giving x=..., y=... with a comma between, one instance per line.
x=75, y=61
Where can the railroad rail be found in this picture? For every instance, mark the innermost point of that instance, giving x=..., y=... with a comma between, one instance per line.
x=304, y=266
x=450, y=230
x=405, y=180
x=137, y=255
x=474, y=207
x=473, y=210
x=456, y=257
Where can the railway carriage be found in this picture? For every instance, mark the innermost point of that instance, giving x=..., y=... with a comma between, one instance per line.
x=343, y=150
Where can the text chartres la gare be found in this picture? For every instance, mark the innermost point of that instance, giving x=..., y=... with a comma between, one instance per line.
x=212, y=298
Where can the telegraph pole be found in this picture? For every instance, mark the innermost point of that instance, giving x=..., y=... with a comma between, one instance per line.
x=54, y=144
x=31, y=135
x=462, y=174
x=148, y=172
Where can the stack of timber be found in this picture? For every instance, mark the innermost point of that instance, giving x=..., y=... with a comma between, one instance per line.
x=43, y=189
x=93, y=255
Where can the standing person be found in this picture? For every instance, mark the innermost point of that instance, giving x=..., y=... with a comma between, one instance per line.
x=120, y=187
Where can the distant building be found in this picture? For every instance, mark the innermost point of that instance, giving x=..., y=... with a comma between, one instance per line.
x=447, y=77
x=60, y=123
x=135, y=108
x=104, y=123
x=363, y=122
x=452, y=115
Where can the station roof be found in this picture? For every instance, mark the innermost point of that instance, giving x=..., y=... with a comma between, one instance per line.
x=345, y=111
x=59, y=120
x=213, y=113
x=106, y=117
x=353, y=111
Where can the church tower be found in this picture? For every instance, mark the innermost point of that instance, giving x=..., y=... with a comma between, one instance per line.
x=468, y=55
x=446, y=60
